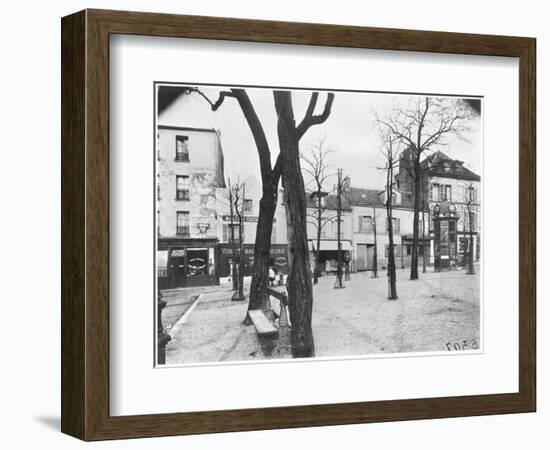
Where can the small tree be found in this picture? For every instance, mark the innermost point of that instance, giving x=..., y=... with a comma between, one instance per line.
x=234, y=250
x=471, y=269
x=423, y=204
x=315, y=166
x=235, y=197
x=375, y=256
x=390, y=148
x=239, y=211
x=341, y=187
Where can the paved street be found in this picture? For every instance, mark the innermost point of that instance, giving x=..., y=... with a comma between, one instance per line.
x=438, y=312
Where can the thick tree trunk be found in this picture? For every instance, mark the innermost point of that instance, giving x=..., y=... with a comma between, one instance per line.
x=299, y=286
x=260, y=277
x=414, y=255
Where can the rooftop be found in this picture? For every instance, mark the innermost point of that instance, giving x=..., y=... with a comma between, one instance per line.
x=441, y=165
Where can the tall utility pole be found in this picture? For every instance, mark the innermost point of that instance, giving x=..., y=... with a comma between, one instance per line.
x=338, y=284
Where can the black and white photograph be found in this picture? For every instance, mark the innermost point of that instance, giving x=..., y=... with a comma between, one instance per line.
x=314, y=223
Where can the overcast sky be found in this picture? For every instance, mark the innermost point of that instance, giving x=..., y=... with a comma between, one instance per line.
x=350, y=131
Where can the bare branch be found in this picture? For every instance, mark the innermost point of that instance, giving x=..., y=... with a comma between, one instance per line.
x=310, y=119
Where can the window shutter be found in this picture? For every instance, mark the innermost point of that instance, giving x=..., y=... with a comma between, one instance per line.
x=225, y=237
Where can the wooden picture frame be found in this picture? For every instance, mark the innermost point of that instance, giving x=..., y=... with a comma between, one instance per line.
x=85, y=224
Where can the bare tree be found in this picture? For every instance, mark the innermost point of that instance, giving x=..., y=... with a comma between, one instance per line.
x=315, y=166
x=270, y=181
x=299, y=286
x=375, y=256
x=471, y=269
x=423, y=125
x=341, y=187
x=233, y=199
x=288, y=165
x=237, y=193
x=423, y=206
x=390, y=148
x=234, y=250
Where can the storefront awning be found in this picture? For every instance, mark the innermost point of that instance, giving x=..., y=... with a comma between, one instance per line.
x=331, y=245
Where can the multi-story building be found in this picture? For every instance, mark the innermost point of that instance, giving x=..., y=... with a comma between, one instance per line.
x=194, y=246
x=447, y=180
x=228, y=229
x=190, y=170
x=371, y=231
x=328, y=248
x=364, y=228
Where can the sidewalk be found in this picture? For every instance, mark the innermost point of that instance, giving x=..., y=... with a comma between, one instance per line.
x=436, y=309
x=432, y=313
x=213, y=331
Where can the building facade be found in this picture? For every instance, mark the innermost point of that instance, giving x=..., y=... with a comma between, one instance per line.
x=193, y=216
x=447, y=180
x=328, y=225
x=371, y=230
x=190, y=171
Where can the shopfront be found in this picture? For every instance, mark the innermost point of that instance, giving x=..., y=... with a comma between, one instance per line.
x=186, y=262
x=278, y=259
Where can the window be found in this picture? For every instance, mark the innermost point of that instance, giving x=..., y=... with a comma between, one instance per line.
x=247, y=206
x=441, y=192
x=158, y=186
x=396, y=251
x=335, y=227
x=182, y=187
x=435, y=192
x=182, y=228
x=227, y=236
x=182, y=148
x=365, y=224
x=448, y=195
x=396, y=224
x=470, y=195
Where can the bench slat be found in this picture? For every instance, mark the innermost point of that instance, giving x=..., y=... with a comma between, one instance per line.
x=263, y=326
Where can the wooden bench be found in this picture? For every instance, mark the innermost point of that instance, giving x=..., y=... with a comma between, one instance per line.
x=262, y=324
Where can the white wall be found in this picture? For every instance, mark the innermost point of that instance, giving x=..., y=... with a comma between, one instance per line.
x=30, y=231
